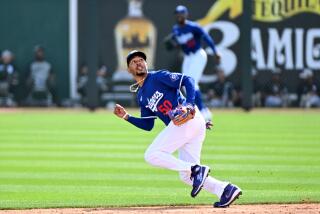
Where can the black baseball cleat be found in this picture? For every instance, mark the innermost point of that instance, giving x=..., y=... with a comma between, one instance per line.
x=209, y=125
x=198, y=176
x=230, y=194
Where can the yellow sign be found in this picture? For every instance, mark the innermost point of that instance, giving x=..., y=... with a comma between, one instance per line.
x=219, y=8
x=263, y=10
x=278, y=10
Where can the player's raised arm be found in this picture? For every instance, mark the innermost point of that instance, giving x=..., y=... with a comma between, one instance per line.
x=209, y=40
x=177, y=80
x=145, y=123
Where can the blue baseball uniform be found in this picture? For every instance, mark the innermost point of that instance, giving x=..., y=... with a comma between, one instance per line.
x=189, y=37
x=159, y=94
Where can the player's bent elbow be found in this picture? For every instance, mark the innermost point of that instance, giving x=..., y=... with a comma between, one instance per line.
x=149, y=128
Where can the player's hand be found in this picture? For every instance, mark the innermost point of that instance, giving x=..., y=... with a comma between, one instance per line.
x=120, y=112
x=217, y=58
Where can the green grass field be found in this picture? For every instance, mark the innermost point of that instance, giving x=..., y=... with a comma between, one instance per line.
x=82, y=159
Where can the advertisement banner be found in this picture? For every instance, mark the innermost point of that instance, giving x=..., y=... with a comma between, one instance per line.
x=285, y=35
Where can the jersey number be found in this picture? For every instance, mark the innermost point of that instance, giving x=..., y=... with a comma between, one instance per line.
x=165, y=107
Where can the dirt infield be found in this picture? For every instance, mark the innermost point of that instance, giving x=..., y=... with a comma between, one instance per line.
x=266, y=209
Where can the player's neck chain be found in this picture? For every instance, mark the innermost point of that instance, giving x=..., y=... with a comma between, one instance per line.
x=140, y=81
x=134, y=87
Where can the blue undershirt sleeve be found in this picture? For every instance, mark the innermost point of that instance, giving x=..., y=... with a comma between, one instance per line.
x=146, y=122
x=142, y=123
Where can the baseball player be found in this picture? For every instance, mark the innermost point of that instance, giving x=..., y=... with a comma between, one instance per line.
x=158, y=95
x=188, y=35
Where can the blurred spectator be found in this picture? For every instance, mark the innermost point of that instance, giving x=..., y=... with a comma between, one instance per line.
x=8, y=79
x=83, y=78
x=308, y=90
x=41, y=80
x=101, y=79
x=275, y=93
x=102, y=83
x=223, y=93
x=256, y=89
x=82, y=83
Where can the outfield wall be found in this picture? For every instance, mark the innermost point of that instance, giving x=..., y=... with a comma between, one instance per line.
x=26, y=23
x=285, y=35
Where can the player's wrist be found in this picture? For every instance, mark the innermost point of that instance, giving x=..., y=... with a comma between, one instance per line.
x=125, y=116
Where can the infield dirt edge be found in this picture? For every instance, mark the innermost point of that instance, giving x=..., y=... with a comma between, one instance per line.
x=256, y=208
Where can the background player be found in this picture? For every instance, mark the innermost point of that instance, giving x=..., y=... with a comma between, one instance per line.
x=188, y=35
x=158, y=94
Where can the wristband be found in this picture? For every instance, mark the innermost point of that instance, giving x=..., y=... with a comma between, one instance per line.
x=124, y=116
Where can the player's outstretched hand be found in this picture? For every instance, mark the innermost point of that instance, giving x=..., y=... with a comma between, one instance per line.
x=120, y=111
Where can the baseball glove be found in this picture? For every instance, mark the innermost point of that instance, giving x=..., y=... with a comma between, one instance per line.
x=181, y=114
x=169, y=42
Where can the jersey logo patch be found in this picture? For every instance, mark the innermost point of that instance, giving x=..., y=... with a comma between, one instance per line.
x=153, y=102
x=184, y=38
x=174, y=76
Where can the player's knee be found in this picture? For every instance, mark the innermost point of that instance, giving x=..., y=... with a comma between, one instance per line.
x=150, y=157
x=185, y=177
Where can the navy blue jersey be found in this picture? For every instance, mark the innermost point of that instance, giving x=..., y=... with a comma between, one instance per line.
x=160, y=93
x=189, y=37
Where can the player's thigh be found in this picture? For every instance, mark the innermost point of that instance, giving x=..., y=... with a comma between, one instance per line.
x=199, y=64
x=170, y=139
x=191, y=151
x=187, y=60
x=196, y=64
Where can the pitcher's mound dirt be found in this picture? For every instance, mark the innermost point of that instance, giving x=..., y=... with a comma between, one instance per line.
x=243, y=209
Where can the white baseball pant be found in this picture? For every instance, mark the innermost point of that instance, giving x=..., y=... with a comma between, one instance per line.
x=193, y=65
x=187, y=139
